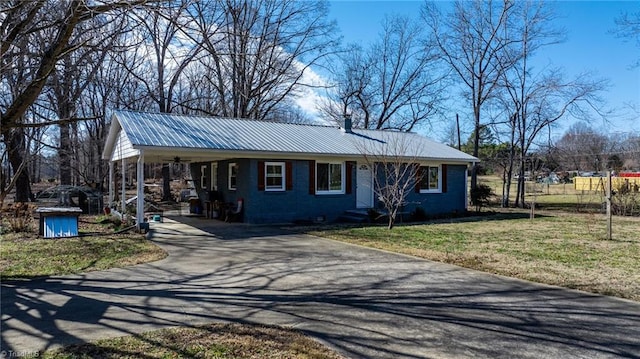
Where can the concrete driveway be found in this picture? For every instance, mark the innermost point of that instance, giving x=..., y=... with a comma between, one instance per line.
x=364, y=303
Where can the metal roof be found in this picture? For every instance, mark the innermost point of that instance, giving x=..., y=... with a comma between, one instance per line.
x=159, y=130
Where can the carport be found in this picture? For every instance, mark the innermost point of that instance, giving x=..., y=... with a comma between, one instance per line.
x=130, y=141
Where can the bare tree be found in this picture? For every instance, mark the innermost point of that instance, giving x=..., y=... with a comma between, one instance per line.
x=260, y=50
x=531, y=28
x=164, y=53
x=473, y=40
x=171, y=52
x=581, y=148
x=71, y=76
x=351, y=89
x=628, y=28
x=112, y=86
x=37, y=35
x=538, y=99
x=394, y=84
x=396, y=169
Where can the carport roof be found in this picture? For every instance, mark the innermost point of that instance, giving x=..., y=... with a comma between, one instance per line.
x=171, y=132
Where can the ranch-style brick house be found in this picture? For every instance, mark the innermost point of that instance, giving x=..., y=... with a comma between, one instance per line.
x=285, y=172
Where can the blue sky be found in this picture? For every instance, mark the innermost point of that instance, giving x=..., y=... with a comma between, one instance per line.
x=589, y=46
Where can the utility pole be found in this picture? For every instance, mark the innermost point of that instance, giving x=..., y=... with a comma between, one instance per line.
x=458, y=127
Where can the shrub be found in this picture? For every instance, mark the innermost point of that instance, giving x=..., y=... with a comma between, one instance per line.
x=18, y=217
x=626, y=201
x=481, y=195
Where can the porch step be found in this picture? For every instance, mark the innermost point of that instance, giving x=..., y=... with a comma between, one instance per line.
x=354, y=216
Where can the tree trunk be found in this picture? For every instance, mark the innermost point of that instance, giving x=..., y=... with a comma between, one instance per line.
x=74, y=154
x=17, y=147
x=509, y=176
x=392, y=220
x=476, y=145
x=521, y=184
x=64, y=157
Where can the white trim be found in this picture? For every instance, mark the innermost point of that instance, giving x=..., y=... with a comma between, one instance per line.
x=342, y=179
x=282, y=187
x=433, y=190
x=231, y=165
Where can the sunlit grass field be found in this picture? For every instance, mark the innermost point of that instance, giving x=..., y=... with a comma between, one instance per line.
x=568, y=250
x=560, y=196
x=565, y=244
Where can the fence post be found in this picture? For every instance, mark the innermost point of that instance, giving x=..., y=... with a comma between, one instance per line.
x=609, y=224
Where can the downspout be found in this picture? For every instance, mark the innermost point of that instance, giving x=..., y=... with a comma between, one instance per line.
x=140, y=187
x=466, y=187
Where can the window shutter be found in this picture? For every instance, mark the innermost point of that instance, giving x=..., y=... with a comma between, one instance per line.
x=419, y=175
x=312, y=177
x=444, y=178
x=260, y=175
x=288, y=170
x=349, y=176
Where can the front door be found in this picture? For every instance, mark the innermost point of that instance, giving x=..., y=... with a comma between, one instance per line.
x=364, y=186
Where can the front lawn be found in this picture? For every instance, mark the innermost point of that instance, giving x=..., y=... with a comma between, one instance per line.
x=567, y=250
x=27, y=255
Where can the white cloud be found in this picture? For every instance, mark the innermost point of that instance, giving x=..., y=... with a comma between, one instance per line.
x=310, y=95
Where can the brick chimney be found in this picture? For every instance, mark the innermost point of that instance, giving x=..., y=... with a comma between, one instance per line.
x=347, y=123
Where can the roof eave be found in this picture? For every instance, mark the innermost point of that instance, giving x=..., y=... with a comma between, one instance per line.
x=114, y=128
x=187, y=152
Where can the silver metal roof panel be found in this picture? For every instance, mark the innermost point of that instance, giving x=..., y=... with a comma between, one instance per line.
x=229, y=134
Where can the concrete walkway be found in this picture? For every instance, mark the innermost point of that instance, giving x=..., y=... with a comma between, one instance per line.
x=364, y=303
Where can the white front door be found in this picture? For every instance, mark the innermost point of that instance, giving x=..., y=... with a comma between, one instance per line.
x=364, y=186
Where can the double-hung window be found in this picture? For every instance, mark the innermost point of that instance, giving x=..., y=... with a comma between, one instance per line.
x=203, y=176
x=214, y=176
x=274, y=176
x=233, y=176
x=430, y=179
x=329, y=178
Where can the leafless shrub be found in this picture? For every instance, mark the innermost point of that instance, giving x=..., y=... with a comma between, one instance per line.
x=18, y=217
x=626, y=200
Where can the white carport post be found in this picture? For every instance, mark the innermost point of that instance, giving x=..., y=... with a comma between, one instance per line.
x=140, y=185
x=123, y=195
x=110, y=184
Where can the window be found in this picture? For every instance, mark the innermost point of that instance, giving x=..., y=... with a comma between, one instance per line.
x=233, y=173
x=214, y=176
x=430, y=179
x=274, y=176
x=203, y=176
x=329, y=178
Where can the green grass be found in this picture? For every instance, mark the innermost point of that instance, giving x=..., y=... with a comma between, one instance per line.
x=220, y=341
x=560, y=249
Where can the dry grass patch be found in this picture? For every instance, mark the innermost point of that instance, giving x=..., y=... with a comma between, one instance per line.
x=567, y=250
x=26, y=255
x=219, y=341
